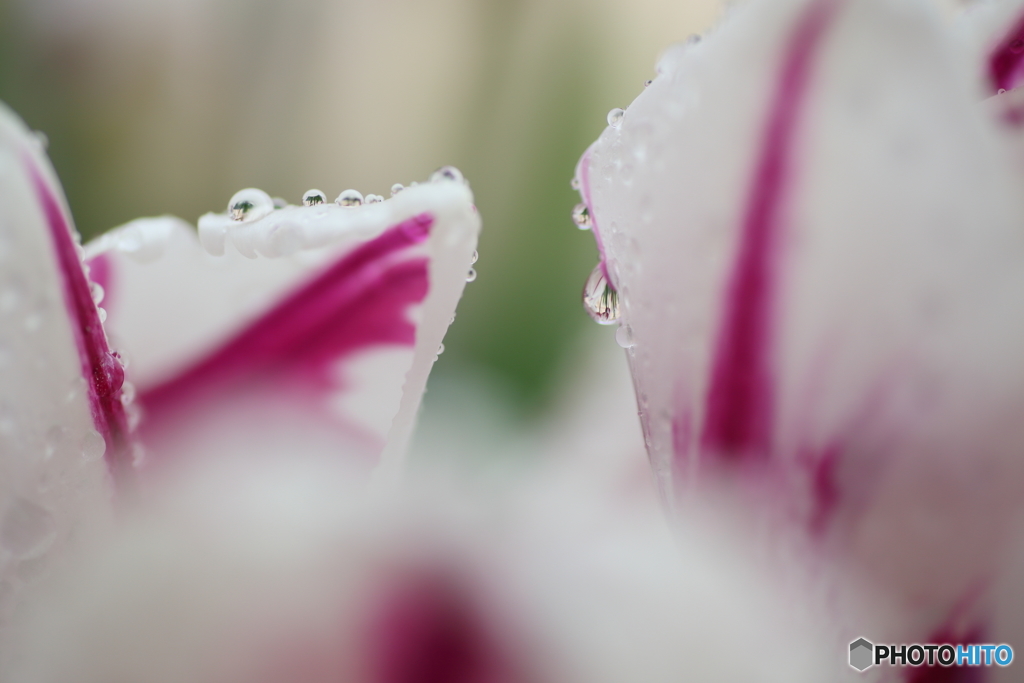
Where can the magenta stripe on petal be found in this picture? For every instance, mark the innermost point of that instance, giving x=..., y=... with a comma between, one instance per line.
x=103, y=373
x=949, y=674
x=1004, y=63
x=739, y=403
x=362, y=300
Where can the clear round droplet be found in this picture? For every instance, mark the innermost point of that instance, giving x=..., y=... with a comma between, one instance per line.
x=581, y=216
x=599, y=298
x=250, y=204
x=93, y=446
x=440, y=349
x=27, y=530
x=447, y=173
x=102, y=313
x=374, y=199
x=396, y=188
x=279, y=202
x=96, y=290
x=471, y=275
x=350, y=198
x=615, y=117
x=476, y=256
x=575, y=183
x=624, y=337
x=647, y=83
x=313, y=197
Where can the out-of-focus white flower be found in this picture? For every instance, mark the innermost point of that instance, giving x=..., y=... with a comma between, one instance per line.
x=814, y=232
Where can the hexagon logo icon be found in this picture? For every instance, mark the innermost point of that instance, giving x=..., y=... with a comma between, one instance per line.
x=861, y=651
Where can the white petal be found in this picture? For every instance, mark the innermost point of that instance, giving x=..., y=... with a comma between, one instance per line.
x=886, y=331
x=55, y=490
x=318, y=310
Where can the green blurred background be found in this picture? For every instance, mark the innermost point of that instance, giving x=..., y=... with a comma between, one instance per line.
x=170, y=106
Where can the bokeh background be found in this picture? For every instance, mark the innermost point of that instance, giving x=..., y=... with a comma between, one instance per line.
x=170, y=106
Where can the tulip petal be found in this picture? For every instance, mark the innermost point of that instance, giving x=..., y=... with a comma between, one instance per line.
x=59, y=412
x=815, y=235
x=326, y=340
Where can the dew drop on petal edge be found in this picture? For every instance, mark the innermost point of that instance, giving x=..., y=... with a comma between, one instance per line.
x=396, y=188
x=96, y=289
x=440, y=349
x=449, y=173
x=574, y=183
x=647, y=83
x=581, y=216
x=313, y=197
x=624, y=337
x=373, y=199
x=615, y=117
x=279, y=203
x=471, y=275
x=250, y=204
x=93, y=446
x=600, y=300
x=350, y=198
x=476, y=256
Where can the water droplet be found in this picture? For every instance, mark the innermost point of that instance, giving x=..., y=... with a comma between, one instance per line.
x=575, y=183
x=449, y=173
x=108, y=375
x=1017, y=46
x=102, y=313
x=599, y=298
x=476, y=256
x=96, y=289
x=471, y=275
x=313, y=197
x=647, y=83
x=615, y=117
x=374, y=199
x=27, y=530
x=127, y=393
x=279, y=203
x=56, y=438
x=396, y=188
x=1001, y=91
x=350, y=198
x=581, y=216
x=93, y=446
x=250, y=204
x=624, y=336
x=440, y=349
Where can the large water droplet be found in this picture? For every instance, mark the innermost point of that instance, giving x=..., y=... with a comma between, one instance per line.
x=250, y=204
x=27, y=530
x=93, y=446
x=471, y=275
x=581, y=216
x=108, y=375
x=313, y=197
x=624, y=337
x=350, y=198
x=615, y=117
x=599, y=298
x=396, y=188
x=449, y=173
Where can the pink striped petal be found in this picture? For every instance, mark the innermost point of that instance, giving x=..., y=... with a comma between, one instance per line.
x=59, y=395
x=815, y=234
x=321, y=345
